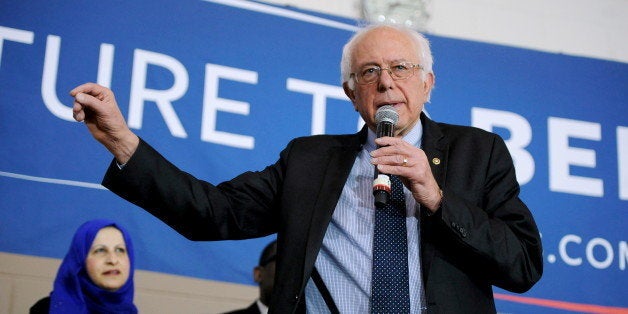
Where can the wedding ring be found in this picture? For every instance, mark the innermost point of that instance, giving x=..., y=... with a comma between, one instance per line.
x=405, y=161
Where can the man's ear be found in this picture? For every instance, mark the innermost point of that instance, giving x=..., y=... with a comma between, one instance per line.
x=428, y=83
x=350, y=93
x=257, y=274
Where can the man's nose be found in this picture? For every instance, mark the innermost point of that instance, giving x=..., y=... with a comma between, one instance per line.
x=385, y=81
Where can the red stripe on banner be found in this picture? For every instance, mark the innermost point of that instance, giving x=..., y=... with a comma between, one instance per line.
x=577, y=307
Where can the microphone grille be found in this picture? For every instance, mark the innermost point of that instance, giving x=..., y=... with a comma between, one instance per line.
x=386, y=113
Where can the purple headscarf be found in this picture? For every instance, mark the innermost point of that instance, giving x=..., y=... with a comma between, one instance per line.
x=74, y=291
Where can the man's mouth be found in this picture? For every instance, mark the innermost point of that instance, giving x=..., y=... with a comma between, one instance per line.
x=389, y=103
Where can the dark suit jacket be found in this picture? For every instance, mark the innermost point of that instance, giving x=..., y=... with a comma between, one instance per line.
x=41, y=307
x=252, y=309
x=482, y=235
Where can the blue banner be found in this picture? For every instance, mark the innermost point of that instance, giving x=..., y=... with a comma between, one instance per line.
x=220, y=87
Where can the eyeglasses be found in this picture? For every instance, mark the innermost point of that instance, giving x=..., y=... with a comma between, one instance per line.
x=398, y=71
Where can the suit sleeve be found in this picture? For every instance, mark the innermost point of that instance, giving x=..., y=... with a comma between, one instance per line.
x=485, y=228
x=244, y=207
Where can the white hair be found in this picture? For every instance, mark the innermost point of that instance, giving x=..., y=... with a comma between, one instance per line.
x=424, y=53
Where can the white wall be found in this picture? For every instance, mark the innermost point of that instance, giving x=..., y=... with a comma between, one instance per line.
x=25, y=279
x=596, y=29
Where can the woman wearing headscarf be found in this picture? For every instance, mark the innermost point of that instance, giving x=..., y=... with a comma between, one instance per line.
x=96, y=275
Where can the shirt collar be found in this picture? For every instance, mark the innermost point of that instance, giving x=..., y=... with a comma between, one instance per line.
x=262, y=308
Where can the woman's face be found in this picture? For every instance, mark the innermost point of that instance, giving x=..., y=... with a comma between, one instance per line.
x=107, y=262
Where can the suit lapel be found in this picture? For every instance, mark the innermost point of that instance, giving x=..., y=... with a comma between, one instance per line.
x=436, y=149
x=340, y=162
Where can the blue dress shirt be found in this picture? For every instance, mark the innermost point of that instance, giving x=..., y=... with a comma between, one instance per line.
x=345, y=259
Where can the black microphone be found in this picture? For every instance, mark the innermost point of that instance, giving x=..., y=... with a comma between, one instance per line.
x=386, y=117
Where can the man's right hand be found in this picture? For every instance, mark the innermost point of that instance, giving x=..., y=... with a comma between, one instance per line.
x=97, y=107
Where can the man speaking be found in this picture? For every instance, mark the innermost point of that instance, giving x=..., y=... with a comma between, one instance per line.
x=452, y=226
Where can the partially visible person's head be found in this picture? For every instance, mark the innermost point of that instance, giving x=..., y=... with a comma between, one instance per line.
x=97, y=271
x=382, y=47
x=264, y=272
